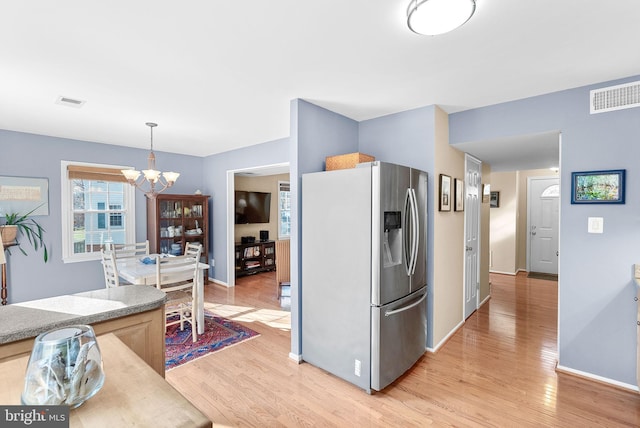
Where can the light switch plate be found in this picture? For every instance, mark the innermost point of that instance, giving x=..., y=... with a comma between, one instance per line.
x=636, y=270
x=595, y=225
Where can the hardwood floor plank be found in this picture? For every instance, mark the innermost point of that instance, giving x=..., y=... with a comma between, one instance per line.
x=498, y=370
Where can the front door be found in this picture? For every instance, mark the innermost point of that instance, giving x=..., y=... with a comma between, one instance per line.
x=471, y=234
x=544, y=201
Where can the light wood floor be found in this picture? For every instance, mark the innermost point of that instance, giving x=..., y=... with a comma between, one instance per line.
x=497, y=370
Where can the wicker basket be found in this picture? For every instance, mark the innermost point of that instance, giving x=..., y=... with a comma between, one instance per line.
x=349, y=160
x=8, y=234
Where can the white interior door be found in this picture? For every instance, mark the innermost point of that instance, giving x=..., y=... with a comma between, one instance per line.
x=544, y=202
x=471, y=234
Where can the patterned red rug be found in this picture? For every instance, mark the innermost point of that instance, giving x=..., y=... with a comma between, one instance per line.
x=218, y=333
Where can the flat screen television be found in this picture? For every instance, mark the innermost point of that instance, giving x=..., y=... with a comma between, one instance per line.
x=252, y=207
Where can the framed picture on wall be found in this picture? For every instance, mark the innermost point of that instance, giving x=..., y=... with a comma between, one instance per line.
x=486, y=193
x=458, y=186
x=445, y=193
x=24, y=195
x=494, y=200
x=598, y=187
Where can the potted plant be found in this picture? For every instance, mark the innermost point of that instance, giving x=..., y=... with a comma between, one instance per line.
x=15, y=224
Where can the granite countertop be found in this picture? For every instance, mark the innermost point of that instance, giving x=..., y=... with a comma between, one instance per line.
x=28, y=319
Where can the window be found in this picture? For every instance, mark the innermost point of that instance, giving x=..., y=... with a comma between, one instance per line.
x=98, y=207
x=552, y=191
x=115, y=217
x=284, y=210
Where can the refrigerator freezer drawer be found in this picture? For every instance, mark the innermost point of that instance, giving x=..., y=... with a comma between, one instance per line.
x=398, y=337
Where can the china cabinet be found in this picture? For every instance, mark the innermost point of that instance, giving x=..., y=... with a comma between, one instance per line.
x=174, y=220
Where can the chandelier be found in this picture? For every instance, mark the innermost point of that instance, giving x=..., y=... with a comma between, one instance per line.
x=152, y=181
x=433, y=17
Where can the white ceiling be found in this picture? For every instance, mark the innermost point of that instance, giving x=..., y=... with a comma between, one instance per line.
x=217, y=75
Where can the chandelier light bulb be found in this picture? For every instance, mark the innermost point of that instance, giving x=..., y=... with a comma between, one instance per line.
x=434, y=17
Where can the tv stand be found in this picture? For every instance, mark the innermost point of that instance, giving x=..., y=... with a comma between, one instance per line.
x=255, y=257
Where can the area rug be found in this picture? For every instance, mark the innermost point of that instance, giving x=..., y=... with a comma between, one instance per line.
x=219, y=333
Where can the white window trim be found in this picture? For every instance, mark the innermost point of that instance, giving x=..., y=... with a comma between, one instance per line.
x=280, y=236
x=66, y=209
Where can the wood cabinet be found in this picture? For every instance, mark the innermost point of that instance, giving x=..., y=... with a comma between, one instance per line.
x=174, y=220
x=142, y=332
x=255, y=257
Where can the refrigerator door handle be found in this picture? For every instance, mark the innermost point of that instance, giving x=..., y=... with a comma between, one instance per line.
x=406, y=308
x=415, y=239
x=408, y=240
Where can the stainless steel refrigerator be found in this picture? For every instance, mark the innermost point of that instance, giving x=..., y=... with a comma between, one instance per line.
x=364, y=271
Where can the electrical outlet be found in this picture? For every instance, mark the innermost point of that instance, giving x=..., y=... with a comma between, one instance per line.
x=357, y=367
x=213, y=263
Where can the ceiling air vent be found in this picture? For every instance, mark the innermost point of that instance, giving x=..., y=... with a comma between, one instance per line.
x=70, y=102
x=617, y=97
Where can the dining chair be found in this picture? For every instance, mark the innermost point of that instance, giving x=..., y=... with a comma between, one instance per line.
x=130, y=251
x=110, y=268
x=178, y=278
x=193, y=249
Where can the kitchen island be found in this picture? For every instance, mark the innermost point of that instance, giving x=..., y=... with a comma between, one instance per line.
x=132, y=395
x=133, y=313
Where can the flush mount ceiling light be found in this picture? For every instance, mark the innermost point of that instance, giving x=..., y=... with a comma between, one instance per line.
x=433, y=17
x=151, y=176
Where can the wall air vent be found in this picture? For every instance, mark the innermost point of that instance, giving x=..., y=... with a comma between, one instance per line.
x=617, y=97
x=70, y=102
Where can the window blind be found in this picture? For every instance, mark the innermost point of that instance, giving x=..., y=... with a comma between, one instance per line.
x=83, y=172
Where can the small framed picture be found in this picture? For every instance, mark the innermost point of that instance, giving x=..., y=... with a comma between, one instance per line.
x=458, y=186
x=445, y=193
x=486, y=192
x=494, y=199
x=598, y=187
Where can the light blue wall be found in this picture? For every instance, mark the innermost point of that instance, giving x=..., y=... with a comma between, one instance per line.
x=215, y=168
x=315, y=134
x=407, y=138
x=597, y=311
x=29, y=155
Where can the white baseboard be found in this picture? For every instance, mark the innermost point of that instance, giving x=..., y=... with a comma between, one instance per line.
x=444, y=340
x=486, y=299
x=295, y=357
x=563, y=369
x=215, y=281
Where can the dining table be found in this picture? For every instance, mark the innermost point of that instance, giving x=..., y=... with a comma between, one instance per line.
x=134, y=271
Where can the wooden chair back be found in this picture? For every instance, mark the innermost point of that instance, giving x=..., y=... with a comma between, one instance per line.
x=110, y=268
x=283, y=265
x=178, y=278
x=177, y=273
x=283, y=261
x=193, y=249
x=130, y=251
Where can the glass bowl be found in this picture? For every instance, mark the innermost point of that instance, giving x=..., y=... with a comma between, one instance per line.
x=65, y=367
